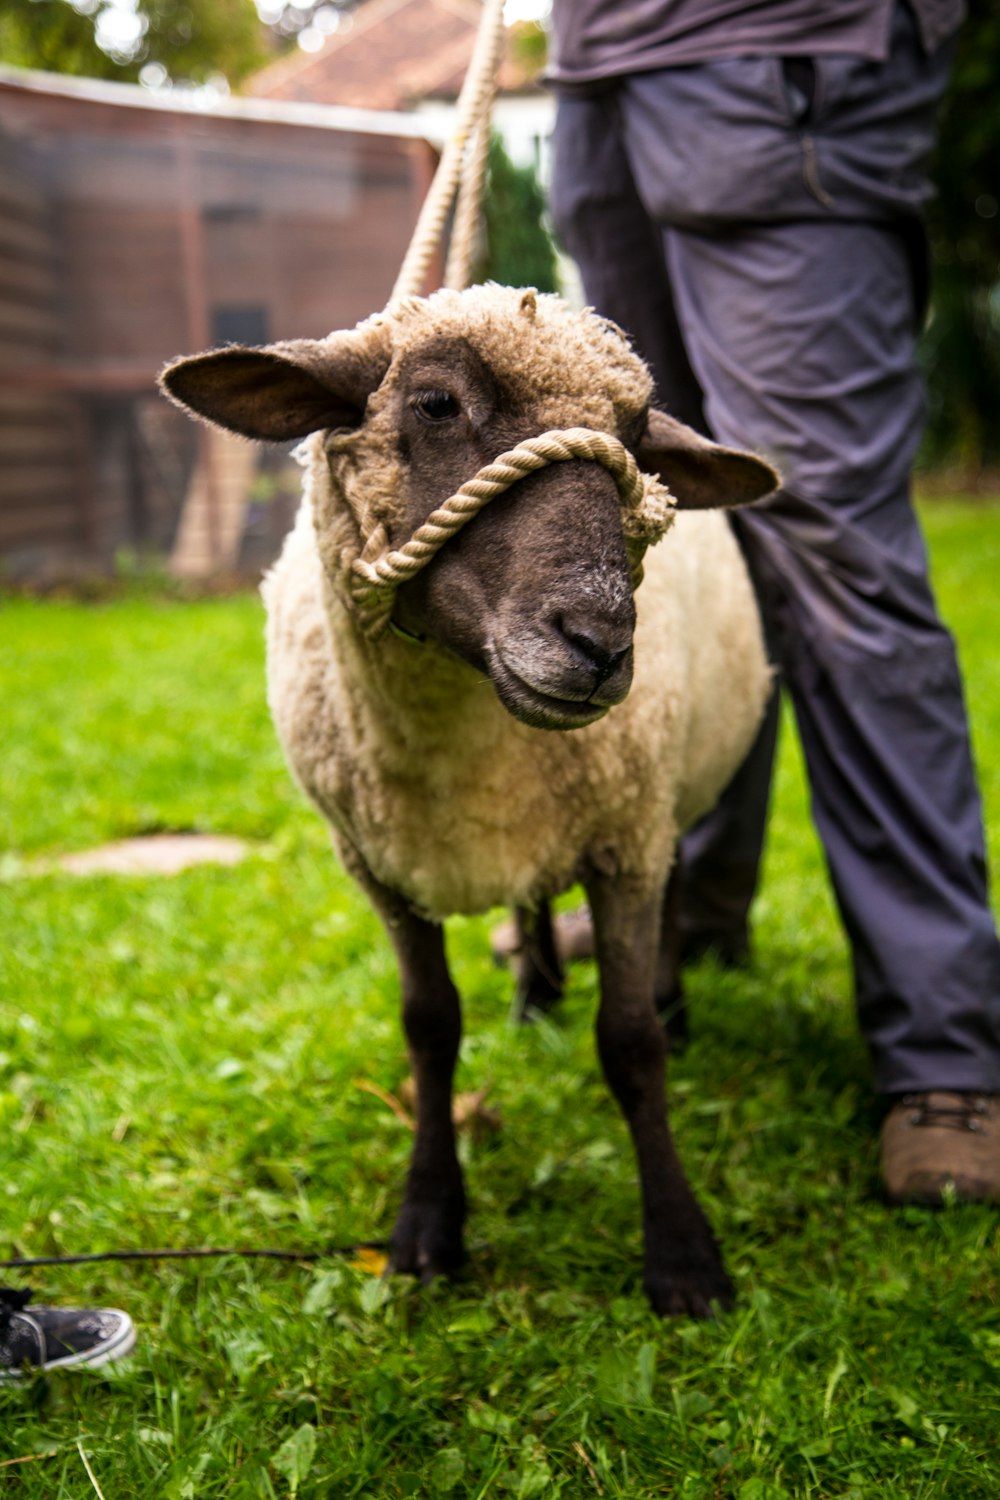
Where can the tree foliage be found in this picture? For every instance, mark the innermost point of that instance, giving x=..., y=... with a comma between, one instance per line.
x=191, y=40
x=961, y=348
x=519, y=251
x=50, y=34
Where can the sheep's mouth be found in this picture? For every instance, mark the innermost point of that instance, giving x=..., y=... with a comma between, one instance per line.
x=539, y=709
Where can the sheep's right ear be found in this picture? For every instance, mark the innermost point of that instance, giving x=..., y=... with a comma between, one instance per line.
x=283, y=391
x=702, y=474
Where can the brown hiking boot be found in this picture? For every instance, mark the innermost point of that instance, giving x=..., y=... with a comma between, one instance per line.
x=942, y=1143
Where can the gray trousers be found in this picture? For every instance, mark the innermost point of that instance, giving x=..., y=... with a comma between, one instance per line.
x=755, y=225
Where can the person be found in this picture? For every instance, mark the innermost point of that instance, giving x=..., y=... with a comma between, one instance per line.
x=742, y=187
x=49, y=1338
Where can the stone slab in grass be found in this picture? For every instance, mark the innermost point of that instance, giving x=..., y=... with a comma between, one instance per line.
x=155, y=854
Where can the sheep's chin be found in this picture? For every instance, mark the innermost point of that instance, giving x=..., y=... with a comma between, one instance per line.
x=538, y=709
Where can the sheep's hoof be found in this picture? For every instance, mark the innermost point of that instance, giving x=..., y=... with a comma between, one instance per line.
x=427, y=1240
x=692, y=1293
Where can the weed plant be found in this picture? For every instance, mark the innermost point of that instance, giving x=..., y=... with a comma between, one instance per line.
x=179, y=1065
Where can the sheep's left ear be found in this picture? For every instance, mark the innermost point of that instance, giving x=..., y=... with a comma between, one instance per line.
x=282, y=391
x=700, y=474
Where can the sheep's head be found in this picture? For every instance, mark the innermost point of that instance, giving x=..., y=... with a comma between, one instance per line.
x=536, y=590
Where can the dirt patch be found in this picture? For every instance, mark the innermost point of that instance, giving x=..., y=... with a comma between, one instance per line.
x=155, y=854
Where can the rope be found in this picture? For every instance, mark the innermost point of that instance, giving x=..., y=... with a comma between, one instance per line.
x=473, y=109
x=465, y=230
x=378, y=572
x=27, y=1263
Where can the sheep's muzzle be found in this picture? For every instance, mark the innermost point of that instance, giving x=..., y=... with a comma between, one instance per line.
x=648, y=511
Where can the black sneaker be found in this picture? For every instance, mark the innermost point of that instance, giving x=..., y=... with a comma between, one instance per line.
x=56, y=1338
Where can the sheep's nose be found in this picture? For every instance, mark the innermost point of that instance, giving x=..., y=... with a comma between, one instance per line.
x=601, y=646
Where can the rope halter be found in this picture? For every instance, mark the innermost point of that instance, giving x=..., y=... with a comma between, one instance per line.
x=648, y=510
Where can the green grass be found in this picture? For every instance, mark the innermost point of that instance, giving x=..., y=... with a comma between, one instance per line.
x=179, y=1062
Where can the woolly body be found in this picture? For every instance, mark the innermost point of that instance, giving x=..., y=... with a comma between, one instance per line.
x=456, y=804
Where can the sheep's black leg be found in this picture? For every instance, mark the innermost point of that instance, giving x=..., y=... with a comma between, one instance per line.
x=683, y=1268
x=537, y=966
x=427, y=1238
x=670, y=1003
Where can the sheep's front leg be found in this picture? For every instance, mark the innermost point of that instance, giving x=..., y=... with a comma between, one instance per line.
x=683, y=1268
x=427, y=1238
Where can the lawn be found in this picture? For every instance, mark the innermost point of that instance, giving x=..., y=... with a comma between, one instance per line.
x=181, y=1062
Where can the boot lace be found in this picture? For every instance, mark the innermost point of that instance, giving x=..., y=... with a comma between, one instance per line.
x=968, y=1114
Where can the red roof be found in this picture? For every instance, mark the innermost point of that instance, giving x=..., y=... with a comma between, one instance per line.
x=388, y=54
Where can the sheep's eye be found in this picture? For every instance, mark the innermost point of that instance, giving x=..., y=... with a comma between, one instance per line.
x=435, y=406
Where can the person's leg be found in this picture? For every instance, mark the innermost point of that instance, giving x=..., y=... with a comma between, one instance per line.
x=875, y=685
x=802, y=337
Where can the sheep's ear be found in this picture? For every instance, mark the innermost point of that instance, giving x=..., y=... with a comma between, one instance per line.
x=700, y=474
x=282, y=391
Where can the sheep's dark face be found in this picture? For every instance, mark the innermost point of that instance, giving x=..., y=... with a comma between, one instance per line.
x=535, y=591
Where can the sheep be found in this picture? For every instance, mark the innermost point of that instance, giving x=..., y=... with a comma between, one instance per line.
x=429, y=746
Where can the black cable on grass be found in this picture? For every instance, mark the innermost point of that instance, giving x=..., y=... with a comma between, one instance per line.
x=27, y=1263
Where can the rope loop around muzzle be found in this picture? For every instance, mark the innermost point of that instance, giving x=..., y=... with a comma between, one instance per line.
x=648, y=509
